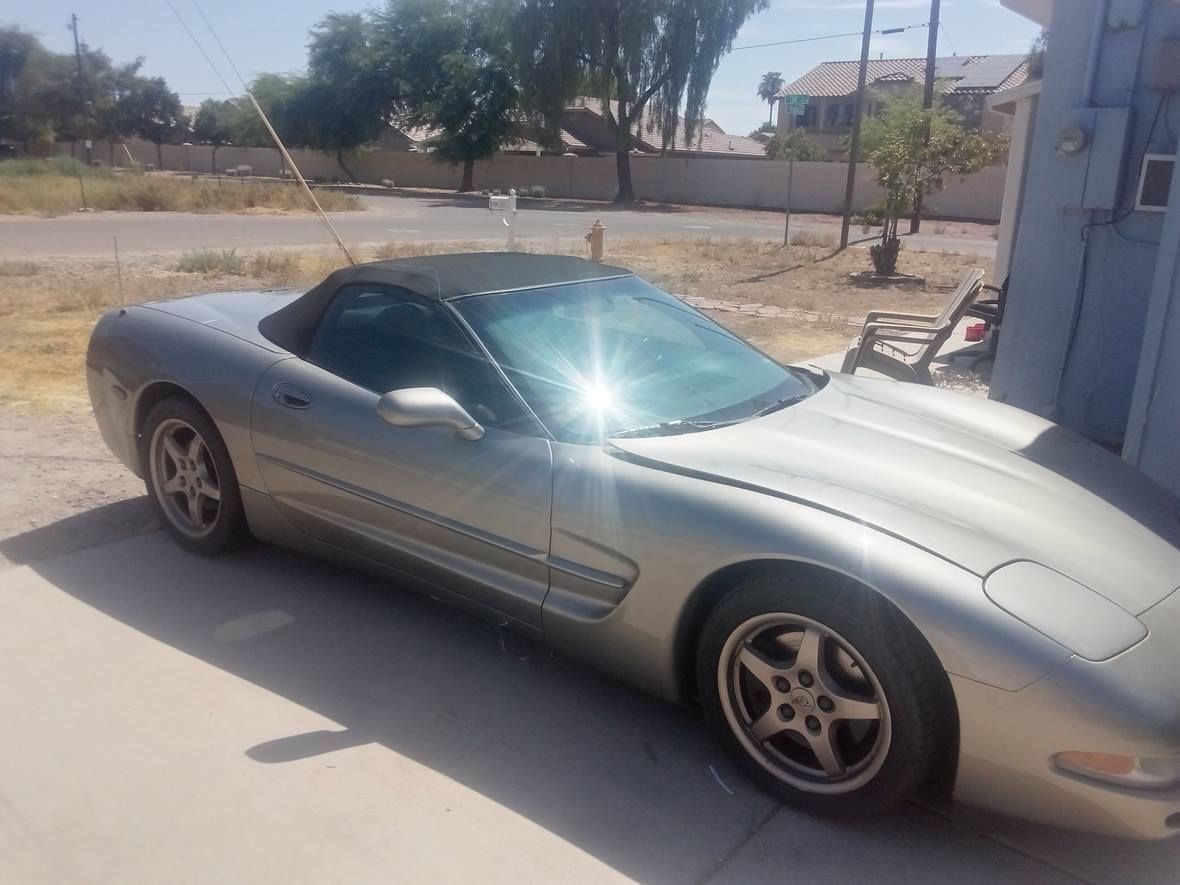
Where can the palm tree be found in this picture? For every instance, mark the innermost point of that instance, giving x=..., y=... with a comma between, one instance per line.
x=772, y=82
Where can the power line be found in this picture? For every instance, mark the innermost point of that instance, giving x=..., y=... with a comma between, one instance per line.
x=221, y=46
x=831, y=37
x=946, y=34
x=200, y=48
x=262, y=116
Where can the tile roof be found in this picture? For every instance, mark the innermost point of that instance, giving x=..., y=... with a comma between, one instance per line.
x=969, y=73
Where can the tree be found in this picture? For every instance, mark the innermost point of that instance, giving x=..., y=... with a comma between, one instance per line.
x=155, y=113
x=766, y=128
x=794, y=145
x=1036, y=56
x=23, y=78
x=213, y=124
x=275, y=94
x=452, y=64
x=40, y=96
x=633, y=55
x=111, y=105
x=907, y=165
x=772, y=82
x=344, y=102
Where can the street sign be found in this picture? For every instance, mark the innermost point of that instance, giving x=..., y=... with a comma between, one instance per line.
x=796, y=104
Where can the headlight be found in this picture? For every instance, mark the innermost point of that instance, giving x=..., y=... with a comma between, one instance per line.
x=1069, y=613
x=1127, y=771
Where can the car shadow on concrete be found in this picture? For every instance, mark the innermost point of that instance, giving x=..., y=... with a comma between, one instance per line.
x=628, y=779
x=100, y=525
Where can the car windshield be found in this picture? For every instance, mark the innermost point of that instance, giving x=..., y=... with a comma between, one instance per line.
x=620, y=357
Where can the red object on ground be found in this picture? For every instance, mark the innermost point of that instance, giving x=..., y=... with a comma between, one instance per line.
x=975, y=332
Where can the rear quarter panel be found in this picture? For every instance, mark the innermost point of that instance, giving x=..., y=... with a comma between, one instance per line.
x=134, y=350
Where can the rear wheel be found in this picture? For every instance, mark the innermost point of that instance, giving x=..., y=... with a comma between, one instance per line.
x=190, y=478
x=820, y=693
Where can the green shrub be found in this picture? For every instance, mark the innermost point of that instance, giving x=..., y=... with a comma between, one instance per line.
x=59, y=164
x=211, y=262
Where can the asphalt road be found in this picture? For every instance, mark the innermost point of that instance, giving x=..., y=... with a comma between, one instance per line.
x=270, y=718
x=396, y=218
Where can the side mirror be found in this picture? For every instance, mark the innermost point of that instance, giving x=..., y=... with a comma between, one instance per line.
x=427, y=407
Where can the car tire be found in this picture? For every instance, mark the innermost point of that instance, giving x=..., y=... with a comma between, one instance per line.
x=190, y=479
x=822, y=692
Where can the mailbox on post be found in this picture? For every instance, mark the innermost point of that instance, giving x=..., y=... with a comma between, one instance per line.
x=506, y=206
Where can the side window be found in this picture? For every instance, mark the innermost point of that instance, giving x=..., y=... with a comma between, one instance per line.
x=384, y=338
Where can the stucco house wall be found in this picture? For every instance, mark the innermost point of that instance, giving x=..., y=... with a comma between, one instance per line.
x=1091, y=334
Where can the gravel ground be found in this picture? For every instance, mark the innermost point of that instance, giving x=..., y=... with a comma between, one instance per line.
x=60, y=489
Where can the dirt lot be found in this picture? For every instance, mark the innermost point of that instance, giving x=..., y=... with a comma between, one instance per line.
x=53, y=465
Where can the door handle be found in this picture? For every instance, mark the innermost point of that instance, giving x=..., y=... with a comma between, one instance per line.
x=291, y=395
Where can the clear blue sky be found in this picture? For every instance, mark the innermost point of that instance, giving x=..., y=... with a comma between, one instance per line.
x=266, y=37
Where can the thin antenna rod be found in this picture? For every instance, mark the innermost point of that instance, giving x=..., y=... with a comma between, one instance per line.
x=262, y=116
x=295, y=169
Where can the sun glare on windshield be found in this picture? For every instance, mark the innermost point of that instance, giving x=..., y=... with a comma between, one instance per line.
x=599, y=358
x=598, y=398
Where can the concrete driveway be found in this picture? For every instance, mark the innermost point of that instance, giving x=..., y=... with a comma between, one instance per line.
x=271, y=718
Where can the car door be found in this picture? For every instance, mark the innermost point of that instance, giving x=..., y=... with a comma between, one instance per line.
x=470, y=516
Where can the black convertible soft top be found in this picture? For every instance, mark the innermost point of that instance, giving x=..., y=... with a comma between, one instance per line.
x=435, y=277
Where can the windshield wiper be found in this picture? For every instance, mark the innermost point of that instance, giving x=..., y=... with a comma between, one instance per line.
x=668, y=428
x=781, y=404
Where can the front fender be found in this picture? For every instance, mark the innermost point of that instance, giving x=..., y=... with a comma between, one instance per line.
x=676, y=532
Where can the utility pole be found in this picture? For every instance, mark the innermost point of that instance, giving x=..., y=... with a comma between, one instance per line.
x=927, y=99
x=857, y=115
x=89, y=142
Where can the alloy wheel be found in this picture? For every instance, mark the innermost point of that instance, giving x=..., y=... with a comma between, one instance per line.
x=804, y=703
x=184, y=478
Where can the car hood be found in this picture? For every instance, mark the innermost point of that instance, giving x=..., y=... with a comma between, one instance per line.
x=974, y=481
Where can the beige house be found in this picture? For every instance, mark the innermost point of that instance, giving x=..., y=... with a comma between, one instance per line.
x=964, y=82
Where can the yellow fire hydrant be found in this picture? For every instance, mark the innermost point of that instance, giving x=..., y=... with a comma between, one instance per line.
x=595, y=238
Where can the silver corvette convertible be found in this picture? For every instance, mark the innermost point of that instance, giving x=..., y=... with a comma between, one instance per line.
x=870, y=588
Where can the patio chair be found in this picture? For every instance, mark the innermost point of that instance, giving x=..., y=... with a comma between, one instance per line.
x=991, y=311
x=901, y=345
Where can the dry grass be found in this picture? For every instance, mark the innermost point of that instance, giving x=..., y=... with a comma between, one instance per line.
x=813, y=238
x=19, y=268
x=809, y=281
x=45, y=321
x=49, y=194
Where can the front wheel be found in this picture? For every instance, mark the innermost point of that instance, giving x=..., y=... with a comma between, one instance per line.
x=821, y=693
x=190, y=478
